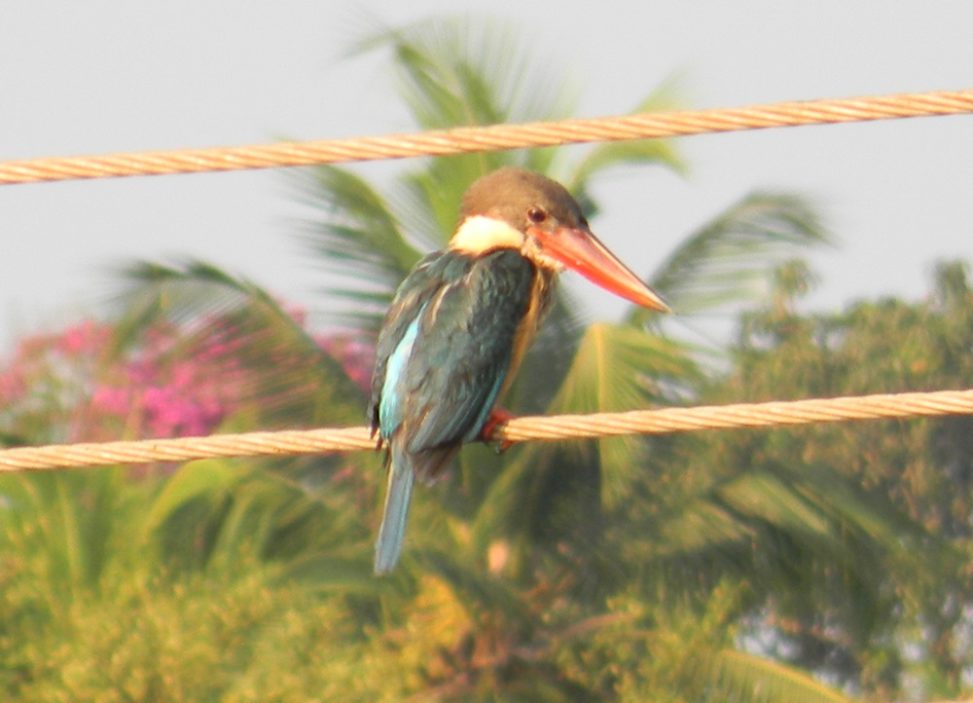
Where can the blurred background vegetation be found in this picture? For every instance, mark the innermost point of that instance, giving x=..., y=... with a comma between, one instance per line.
x=822, y=564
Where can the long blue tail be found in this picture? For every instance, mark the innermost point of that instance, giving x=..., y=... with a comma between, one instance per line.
x=392, y=532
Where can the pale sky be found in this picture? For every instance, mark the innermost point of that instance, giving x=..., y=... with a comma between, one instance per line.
x=108, y=75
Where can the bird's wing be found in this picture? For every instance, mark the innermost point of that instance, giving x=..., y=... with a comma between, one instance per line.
x=410, y=298
x=445, y=373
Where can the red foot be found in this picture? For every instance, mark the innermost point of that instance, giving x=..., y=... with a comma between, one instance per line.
x=498, y=416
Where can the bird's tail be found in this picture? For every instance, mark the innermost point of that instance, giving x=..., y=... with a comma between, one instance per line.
x=392, y=532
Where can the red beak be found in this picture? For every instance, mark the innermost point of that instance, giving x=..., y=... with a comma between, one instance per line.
x=581, y=251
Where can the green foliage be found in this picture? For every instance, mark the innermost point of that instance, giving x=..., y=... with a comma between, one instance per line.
x=202, y=638
x=186, y=588
x=857, y=614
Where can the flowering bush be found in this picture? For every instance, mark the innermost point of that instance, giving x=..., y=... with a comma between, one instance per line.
x=70, y=376
x=70, y=386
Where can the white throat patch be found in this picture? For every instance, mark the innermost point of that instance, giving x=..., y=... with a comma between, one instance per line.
x=480, y=233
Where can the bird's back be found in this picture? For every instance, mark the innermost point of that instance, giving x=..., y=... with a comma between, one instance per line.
x=445, y=350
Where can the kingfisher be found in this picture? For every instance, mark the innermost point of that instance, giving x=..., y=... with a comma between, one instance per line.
x=459, y=324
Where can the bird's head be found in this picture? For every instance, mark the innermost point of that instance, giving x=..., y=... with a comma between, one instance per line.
x=518, y=209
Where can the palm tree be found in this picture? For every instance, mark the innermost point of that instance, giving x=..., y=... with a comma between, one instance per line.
x=573, y=570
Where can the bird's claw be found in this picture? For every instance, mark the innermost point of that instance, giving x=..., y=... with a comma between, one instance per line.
x=498, y=417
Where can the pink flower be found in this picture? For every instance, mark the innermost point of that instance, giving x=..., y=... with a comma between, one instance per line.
x=86, y=338
x=184, y=374
x=142, y=371
x=111, y=400
x=12, y=386
x=179, y=379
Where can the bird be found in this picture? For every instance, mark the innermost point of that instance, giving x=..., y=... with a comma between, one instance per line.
x=460, y=322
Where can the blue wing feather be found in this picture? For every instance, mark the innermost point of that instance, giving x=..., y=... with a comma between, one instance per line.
x=420, y=285
x=390, y=407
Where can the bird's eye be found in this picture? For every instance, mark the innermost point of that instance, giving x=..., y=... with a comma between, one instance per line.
x=536, y=215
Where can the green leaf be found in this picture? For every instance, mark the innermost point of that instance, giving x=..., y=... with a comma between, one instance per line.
x=192, y=480
x=737, y=675
x=331, y=573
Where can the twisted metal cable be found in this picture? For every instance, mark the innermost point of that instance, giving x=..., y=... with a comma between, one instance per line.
x=497, y=137
x=667, y=420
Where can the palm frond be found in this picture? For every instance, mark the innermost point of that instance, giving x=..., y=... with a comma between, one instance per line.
x=329, y=573
x=463, y=72
x=211, y=514
x=357, y=237
x=739, y=676
x=732, y=259
x=430, y=197
x=619, y=368
x=453, y=73
x=548, y=487
x=631, y=153
x=278, y=367
x=63, y=524
x=809, y=532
